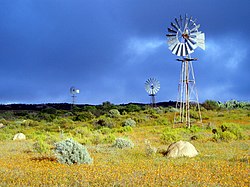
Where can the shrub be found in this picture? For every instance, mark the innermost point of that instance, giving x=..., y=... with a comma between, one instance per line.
x=71, y=152
x=234, y=129
x=82, y=131
x=41, y=146
x=97, y=138
x=211, y=105
x=194, y=114
x=163, y=121
x=124, y=129
x=114, y=113
x=150, y=151
x=110, y=138
x=227, y=136
x=30, y=123
x=170, y=135
x=129, y=122
x=123, y=143
x=83, y=116
x=104, y=122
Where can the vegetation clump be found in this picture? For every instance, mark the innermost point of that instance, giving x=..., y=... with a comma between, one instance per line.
x=123, y=143
x=114, y=113
x=71, y=152
x=129, y=122
x=228, y=132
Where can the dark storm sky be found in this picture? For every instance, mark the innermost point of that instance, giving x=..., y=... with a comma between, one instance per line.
x=109, y=48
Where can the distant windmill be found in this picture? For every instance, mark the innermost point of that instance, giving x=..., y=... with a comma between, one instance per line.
x=183, y=37
x=74, y=91
x=152, y=86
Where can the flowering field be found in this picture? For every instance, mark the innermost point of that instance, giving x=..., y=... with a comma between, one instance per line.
x=218, y=164
x=223, y=158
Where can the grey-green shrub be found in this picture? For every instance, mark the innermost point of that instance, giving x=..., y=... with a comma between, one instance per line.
x=150, y=150
x=71, y=152
x=129, y=122
x=114, y=113
x=123, y=143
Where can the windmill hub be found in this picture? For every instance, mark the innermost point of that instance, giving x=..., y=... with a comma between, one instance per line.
x=185, y=36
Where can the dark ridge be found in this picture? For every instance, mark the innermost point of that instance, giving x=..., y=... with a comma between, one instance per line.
x=68, y=106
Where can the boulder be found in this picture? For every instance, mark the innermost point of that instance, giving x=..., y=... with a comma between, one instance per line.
x=180, y=149
x=19, y=136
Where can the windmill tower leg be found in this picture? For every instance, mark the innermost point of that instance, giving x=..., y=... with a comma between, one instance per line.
x=187, y=94
x=152, y=100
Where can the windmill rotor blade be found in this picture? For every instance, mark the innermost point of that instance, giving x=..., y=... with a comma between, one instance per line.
x=176, y=48
x=171, y=35
x=184, y=50
x=181, y=50
x=178, y=52
x=175, y=26
x=177, y=23
x=191, y=45
x=186, y=22
x=181, y=21
x=192, y=40
x=171, y=30
x=189, y=21
x=188, y=48
x=173, y=46
x=195, y=34
x=195, y=28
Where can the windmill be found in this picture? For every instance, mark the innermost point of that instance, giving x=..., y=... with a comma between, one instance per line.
x=183, y=38
x=74, y=91
x=152, y=86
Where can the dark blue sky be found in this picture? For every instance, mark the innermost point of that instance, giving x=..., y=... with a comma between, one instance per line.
x=109, y=48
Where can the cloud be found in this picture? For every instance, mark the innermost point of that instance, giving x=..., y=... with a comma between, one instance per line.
x=140, y=46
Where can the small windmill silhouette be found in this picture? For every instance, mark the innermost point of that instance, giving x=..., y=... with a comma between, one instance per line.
x=152, y=86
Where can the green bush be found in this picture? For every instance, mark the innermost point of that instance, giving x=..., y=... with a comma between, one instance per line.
x=104, y=122
x=129, y=122
x=171, y=135
x=110, y=138
x=194, y=114
x=163, y=121
x=82, y=132
x=96, y=138
x=211, y=105
x=227, y=136
x=234, y=129
x=41, y=146
x=83, y=116
x=124, y=129
x=114, y=113
x=30, y=123
x=123, y=143
x=71, y=152
x=105, y=130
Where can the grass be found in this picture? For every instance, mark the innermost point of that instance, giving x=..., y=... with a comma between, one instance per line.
x=218, y=163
